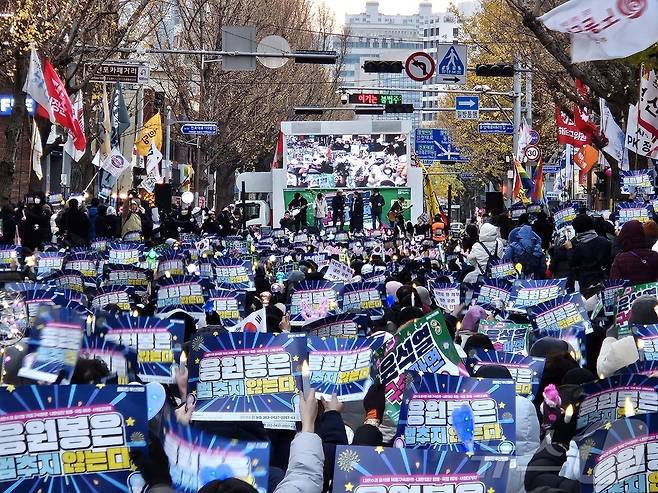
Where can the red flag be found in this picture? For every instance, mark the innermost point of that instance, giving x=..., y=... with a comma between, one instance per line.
x=277, y=162
x=65, y=115
x=583, y=91
x=567, y=132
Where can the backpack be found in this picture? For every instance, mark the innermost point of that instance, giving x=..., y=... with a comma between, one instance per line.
x=493, y=257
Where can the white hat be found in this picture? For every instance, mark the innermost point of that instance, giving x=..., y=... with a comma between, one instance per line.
x=366, y=269
x=615, y=355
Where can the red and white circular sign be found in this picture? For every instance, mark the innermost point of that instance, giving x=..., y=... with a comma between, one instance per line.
x=420, y=66
x=532, y=153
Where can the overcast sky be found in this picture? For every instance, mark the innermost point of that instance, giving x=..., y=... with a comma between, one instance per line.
x=341, y=7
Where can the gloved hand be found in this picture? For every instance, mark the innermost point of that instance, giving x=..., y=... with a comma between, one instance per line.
x=375, y=401
x=154, y=468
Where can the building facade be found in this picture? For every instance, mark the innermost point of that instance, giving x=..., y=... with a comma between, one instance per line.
x=377, y=36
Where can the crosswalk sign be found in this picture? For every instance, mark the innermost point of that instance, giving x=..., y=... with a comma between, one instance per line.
x=453, y=62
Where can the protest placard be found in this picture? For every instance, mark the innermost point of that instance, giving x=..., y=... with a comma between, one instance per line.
x=526, y=371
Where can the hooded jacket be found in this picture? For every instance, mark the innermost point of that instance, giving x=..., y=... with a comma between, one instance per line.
x=478, y=258
x=527, y=442
x=636, y=263
x=522, y=243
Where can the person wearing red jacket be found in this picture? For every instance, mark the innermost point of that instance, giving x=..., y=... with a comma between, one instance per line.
x=636, y=263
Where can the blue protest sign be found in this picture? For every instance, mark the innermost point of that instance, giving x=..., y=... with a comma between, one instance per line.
x=181, y=293
x=621, y=456
x=527, y=293
x=63, y=438
x=385, y=469
x=507, y=336
x=364, y=297
x=312, y=300
x=243, y=376
x=124, y=253
x=493, y=293
x=53, y=346
x=234, y=273
x=345, y=325
x=446, y=295
x=430, y=400
x=526, y=371
x=341, y=366
x=197, y=457
x=127, y=275
x=120, y=296
x=119, y=360
x=48, y=262
x=566, y=318
x=608, y=399
x=157, y=342
x=229, y=305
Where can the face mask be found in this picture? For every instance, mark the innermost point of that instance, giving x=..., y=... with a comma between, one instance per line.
x=37, y=201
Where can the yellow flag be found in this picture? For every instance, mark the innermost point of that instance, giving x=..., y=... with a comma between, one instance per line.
x=151, y=132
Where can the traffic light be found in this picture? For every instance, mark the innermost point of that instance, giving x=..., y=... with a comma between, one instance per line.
x=382, y=67
x=399, y=108
x=159, y=100
x=369, y=110
x=308, y=110
x=494, y=70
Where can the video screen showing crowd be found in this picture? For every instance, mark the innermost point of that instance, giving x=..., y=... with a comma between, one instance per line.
x=177, y=351
x=350, y=161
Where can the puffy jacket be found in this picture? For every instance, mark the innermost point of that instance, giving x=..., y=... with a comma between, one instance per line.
x=527, y=442
x=543, y=471
x=478, y=258
x=636, y=263
x=590, y=261
x=521, y=243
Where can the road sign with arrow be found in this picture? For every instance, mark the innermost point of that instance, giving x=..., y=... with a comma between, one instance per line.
x=420, y=66
x=467, y=107
x=452, y=65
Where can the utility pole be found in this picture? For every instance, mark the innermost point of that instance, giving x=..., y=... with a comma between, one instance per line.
x=528, y=94
x=517, y=105
x=168, y=141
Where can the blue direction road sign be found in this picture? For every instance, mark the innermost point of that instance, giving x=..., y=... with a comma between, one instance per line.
x=467, y=107
x=435, y=144
x=496, y=128
x=199, y=128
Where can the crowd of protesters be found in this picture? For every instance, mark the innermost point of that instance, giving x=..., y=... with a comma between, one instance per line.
x=410, y=257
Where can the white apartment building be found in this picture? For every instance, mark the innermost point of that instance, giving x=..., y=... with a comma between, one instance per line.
x=374, y=35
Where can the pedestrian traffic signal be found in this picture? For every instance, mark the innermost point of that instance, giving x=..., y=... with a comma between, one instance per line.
x=494, y=70
x=399, y=108
x=382, y=67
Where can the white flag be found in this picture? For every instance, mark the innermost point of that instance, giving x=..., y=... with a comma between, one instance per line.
x=115, y=163
x=648, y=117
x=524, y=140
x=605, y=29
x=153, y=159
x=639, y=140
x=35, y=84
x=615, y=135
x=70, y=149
x=256, y=322
x=37, y=151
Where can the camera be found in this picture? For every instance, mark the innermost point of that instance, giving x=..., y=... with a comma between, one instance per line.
x=344, y=98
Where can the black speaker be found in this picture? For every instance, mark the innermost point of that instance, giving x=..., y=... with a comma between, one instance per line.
x=495, y=202
x=163, y=195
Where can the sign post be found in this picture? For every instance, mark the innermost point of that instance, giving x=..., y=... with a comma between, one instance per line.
x=420, y=66
x=452, y=65
x=435, y=144
x=198, y=128
x=467, y=107
x=118, y=71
